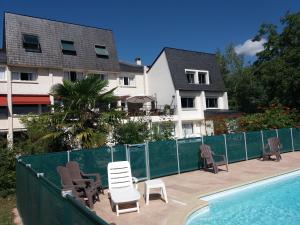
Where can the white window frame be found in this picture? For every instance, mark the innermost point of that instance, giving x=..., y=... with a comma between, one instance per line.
x=218, y=103
x=17, y=74
x=4, y=74
x=196, y=75
x=186, y=126
x=189, y=72
x=188, y=108
x=131, y=81
x=78, y=74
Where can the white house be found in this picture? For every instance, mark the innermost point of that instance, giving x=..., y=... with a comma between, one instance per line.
x=180, y=86
x=191, y=81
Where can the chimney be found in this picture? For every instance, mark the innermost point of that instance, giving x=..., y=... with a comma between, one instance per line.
x=138, y=61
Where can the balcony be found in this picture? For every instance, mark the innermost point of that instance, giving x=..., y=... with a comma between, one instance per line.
x=147, y=110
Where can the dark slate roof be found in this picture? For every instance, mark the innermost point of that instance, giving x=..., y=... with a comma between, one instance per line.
x=2, y=56
x=131, y=68
x=179, y=60
x=50, y=35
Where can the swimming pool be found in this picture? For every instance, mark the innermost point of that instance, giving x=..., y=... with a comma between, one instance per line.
x=274, y=201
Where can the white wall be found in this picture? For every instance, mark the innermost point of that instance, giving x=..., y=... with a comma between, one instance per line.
x=160, y=81
x=137, y=89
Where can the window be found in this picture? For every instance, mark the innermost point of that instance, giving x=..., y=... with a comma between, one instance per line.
x=31, y=43
x=2, y=73
x=68, y=47
x=127, y=81
x=212, y=102
x=101, y=51
x=190, y=77
x=25, y=109
x=197, y=76
x=202, y=77
x=73, y=75
x=101, y=76
x=24, y=76
x=187, y=129
x=187, y=102
x=3, y=112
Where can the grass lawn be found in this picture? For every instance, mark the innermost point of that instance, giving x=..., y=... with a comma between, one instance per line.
x=6, y=205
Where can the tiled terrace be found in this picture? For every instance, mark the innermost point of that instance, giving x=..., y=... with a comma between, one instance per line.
x=184, y=189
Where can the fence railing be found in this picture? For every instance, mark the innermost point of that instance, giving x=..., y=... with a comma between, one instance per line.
x=148, y=160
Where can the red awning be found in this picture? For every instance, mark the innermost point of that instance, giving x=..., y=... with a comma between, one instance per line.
x=3, y=100
x=26, y=100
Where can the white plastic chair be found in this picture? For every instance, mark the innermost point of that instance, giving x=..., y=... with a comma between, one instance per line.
x=120, y=184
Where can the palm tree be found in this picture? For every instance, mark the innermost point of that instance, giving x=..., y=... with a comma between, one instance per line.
x=81, y=112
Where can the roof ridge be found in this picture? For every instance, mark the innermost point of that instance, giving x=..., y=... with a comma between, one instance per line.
x=54, y=20
x=186, y=50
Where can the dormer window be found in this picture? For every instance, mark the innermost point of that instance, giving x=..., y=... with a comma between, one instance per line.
x=101, y=51
x=31, y=43
x=68, y=48
x=197, y=76
x=190, y=77
x=203, y=77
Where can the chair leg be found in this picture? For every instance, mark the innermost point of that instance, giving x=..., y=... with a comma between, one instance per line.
x=147, y=196
x=165, y=194
x=138, y=207
x=117, y=209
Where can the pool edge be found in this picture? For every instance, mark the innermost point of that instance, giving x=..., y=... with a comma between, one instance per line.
x=179, y=217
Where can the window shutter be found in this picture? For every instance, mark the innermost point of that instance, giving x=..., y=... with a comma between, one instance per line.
x=66, y=75
x=15, y=76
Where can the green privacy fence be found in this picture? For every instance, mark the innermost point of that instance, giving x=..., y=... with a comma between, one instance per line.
x=40, y=197
x=39, y=201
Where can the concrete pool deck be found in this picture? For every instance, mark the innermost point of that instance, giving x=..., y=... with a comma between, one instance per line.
x=184, y=189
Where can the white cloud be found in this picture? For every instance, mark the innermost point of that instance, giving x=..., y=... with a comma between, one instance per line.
x=250, y=47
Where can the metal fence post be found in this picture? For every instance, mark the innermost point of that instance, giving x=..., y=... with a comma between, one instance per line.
x=112, y=153
x=147, y=159
x=292, y=138
x=276, y=132
x=225, y=144
x=127, y=153
x=202, y=139
x=262, y=139
x=246, y=149
x=68, y=155
x=177, y=153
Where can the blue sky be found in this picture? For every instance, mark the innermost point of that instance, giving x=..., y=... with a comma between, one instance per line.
x=143, y=28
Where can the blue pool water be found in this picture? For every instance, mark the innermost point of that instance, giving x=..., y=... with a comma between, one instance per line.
x=275, y=203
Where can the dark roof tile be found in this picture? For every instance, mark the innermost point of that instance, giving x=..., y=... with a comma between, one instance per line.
x=179, y=60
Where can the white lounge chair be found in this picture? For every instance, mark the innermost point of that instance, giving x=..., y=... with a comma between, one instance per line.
x=120, y=184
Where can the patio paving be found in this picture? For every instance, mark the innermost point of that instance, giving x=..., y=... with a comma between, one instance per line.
x=183, y=190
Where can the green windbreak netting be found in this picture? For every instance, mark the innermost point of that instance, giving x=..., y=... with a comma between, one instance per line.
x=217, y=144
x=254, y=144
x=189, y=158
x=162, y=158
x=296, y=137
x=93, y=161
x=40, y=202
x=47, y=163
x=235, y=147
x=137, y=155
x=284, y=135
x=268, y=134
x=119, y=153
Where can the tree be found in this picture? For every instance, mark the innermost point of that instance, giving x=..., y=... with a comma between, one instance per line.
x=80, y=119
x=278, y=65
x=244, y=91
x=131, y=132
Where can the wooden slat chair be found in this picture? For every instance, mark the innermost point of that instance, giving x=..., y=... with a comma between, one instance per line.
x=81, y=193
x=272, y=148
x=80, y=176
x=209, y=158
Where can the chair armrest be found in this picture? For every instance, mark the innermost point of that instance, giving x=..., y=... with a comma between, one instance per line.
x=135, y=181
x=82, y=181
x=96, y=175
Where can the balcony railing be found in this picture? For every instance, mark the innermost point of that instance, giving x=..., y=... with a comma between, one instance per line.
x=159, y=110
